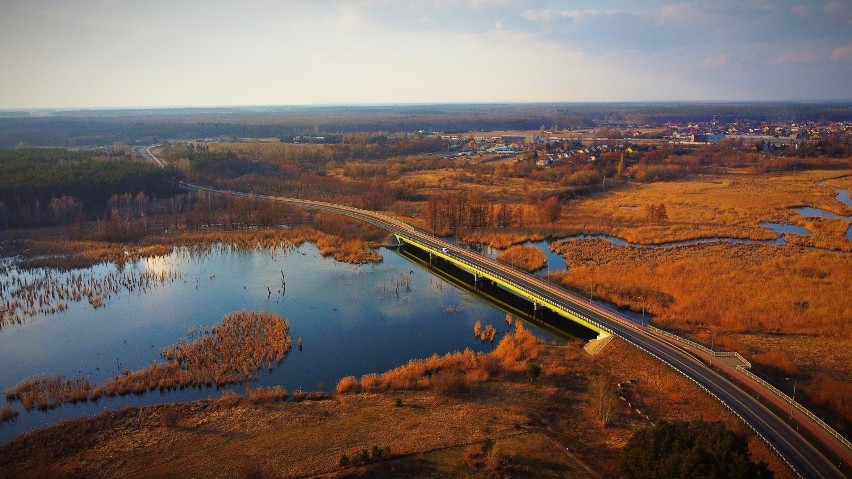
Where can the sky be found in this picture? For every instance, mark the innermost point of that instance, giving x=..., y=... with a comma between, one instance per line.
x=155, y=53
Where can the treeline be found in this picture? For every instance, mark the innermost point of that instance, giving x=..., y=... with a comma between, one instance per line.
x=364, y=147
x=50, y=186
x=79, y=128
x=454, y=211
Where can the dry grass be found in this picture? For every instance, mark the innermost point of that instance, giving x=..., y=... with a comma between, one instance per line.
x=781, y=307
x=527, y=258
x=8, y=413
x=230, y=352
x=733, y=288
x=48, y=392
x=429, y=433
x=453, y=372
x=732, y=205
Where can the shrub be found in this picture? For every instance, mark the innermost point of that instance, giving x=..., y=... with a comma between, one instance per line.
x=533, y=371
x=347, y=385
x=267, y=395
x=8, y=413
x=451, y=383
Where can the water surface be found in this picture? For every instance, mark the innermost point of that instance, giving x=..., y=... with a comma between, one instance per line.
x=352, y=319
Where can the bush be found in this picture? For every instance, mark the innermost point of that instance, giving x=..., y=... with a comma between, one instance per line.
x=533, y=371
x=8, y=413
x=347, y=385
x=451, y=383
x=267, y=395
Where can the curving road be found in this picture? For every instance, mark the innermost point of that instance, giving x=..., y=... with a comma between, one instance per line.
x=799, y=454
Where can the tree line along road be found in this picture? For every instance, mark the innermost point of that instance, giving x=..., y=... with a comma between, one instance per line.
x=802, y=457
x=798, y=453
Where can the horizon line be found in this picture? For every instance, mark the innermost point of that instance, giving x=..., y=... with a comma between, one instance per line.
x=401, y=104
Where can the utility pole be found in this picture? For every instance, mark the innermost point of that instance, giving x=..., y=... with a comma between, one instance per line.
x=794, y=396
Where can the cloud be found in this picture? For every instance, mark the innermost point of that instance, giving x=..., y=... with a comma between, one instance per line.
x=801, y=11
x=679, y=13
x=548, y=14
x=348, y=16
x=715, y=62
x=842, y=53
x=789, y=58
x=836, y=6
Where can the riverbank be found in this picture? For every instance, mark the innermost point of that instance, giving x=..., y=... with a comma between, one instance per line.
x=50, y=248
x=547, y=427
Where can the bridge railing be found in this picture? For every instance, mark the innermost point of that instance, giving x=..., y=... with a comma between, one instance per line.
x=796, y=405
x=398, y=227
x=705, y=349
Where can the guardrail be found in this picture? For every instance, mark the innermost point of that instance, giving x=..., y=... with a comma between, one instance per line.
x=797, y=405
x=539, y=292
x=716, y=354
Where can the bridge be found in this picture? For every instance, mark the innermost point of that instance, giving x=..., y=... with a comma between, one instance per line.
x=799, y=454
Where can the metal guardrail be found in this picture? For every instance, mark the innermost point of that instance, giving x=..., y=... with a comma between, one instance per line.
x=406, y=231
x=797, y=405
x=726, y=405
x=715, y=354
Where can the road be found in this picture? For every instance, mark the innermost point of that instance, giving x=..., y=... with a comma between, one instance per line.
x=145, y=152
x=795, y=450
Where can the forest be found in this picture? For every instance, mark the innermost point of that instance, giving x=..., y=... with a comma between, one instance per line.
x=54, y=186
x=139, y=127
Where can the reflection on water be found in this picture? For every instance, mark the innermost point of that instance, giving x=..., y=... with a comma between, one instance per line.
x=843, y=197
x=786, y=228
x=811, y=212
x=352, y=320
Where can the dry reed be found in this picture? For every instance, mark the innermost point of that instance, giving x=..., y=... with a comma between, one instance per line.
x=230, y=352
x=527, y=258
x=453, y=372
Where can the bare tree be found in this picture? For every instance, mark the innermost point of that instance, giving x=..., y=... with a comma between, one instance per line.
x=602, y=397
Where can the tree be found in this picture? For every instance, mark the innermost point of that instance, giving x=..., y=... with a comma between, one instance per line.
x=656, y=213
x=549, y=210
x=533, y=371
x=695, y=449
x=602, y=397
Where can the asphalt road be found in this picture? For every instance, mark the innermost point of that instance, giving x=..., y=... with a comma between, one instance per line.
x=799, y=454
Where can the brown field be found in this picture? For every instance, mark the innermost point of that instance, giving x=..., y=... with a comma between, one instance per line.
x=44, y=250
x=541, y=428
x=732, y=205
x=755, y=299
x=527, y=258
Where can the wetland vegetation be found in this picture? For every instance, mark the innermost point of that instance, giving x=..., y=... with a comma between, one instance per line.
x=677, y=233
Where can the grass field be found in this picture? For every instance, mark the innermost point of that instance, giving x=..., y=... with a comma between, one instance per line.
x=732, y=205
x=541, y=428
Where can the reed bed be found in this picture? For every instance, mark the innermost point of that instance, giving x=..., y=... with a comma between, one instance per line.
x=8, y=413
x=48, y=392
x=230, y=352
x=484, y=334
x=452, y=372
x=527, y=258
x=24, y=295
